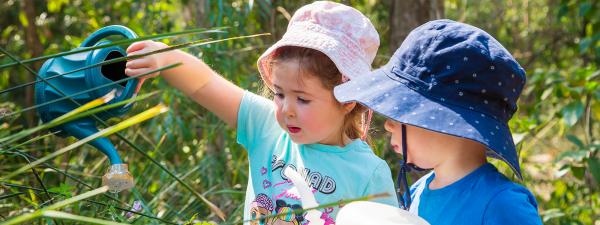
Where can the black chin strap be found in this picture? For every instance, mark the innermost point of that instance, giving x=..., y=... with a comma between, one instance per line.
x=404, y=197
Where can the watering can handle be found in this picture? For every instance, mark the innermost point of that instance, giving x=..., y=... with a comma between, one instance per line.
x=108, y=31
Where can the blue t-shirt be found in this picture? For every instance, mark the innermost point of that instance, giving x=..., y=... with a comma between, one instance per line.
x=333, y=173
x=484, y=196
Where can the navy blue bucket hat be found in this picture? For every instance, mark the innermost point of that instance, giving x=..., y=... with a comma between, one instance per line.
x=451, y=78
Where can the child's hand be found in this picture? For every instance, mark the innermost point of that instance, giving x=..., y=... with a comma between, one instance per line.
x=147, y=63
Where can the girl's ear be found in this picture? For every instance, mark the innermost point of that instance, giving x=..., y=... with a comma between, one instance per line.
x=349, y=106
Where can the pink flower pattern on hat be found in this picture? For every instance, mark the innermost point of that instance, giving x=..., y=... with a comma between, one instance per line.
x=341, y=32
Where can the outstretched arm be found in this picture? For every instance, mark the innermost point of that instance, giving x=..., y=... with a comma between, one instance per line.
x=194, y=78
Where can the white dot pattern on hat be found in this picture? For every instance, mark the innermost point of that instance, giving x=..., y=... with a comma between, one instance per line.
x=476, y=93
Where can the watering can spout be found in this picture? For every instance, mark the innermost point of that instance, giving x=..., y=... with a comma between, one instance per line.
x=117, y=177
x=85, y=129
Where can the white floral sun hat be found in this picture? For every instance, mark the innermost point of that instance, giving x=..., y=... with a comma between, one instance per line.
x=341, y=32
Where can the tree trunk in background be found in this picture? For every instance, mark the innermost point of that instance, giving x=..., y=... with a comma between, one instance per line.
x=406, y=15
x=200, y=16
x=32, y=41
x=273, y=14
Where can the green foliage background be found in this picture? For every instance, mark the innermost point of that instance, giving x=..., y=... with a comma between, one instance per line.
x=556, y=127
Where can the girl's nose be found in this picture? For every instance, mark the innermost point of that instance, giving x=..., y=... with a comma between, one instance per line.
x=288, y=110
x=290, y=114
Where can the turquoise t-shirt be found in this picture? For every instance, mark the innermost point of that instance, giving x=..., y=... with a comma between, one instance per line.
x=484, y=196
x=333, y=173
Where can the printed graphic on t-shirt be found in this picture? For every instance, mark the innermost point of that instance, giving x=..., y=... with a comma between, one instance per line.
x=284, y=197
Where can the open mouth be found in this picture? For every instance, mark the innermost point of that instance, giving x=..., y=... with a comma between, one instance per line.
x=294, y=130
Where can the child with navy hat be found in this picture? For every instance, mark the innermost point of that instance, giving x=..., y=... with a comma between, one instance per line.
x=449, y=92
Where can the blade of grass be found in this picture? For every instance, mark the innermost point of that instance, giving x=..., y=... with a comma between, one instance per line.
x=107, y=107
x=169, y=188
x=91, y=104
x=66, y=73
x=93, y=89
x=118, y=42
x=10, y=195
x=28, y=141
x=124, y=58
x=76, y=179
x=71, y=116
x=87, y=200
x=152, y=112
x=85, y=219
x=39, y=180
x=66, y=202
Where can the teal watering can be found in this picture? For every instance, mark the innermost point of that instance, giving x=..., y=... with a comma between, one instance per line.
x=118, y=177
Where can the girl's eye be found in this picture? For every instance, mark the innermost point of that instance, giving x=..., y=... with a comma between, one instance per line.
x=303, y=101
x=279, y=95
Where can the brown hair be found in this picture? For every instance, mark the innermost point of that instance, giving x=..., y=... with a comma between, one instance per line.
x=317, y=63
